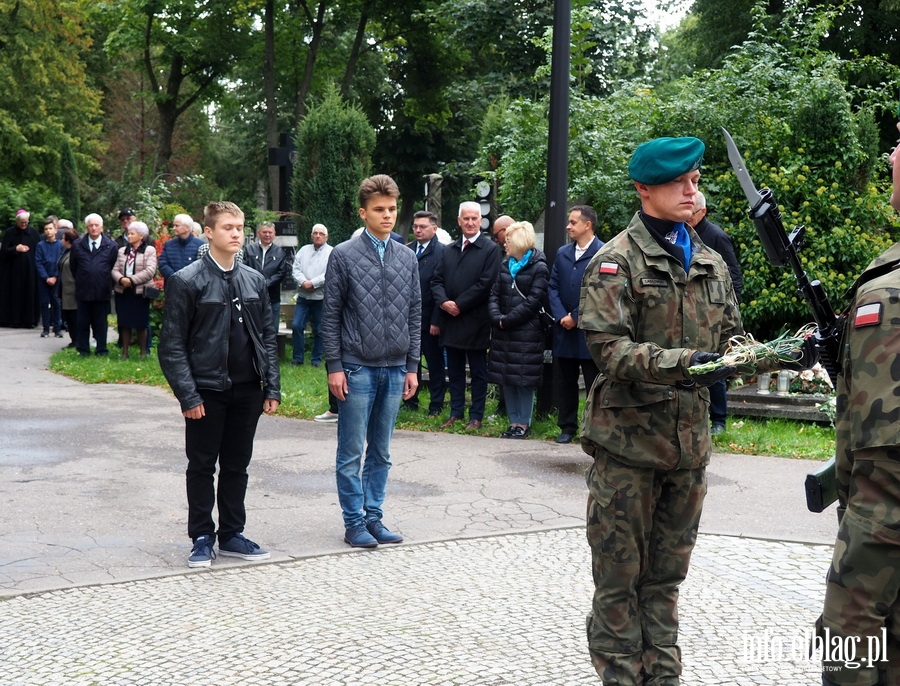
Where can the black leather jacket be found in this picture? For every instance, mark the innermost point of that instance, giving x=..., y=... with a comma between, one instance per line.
x=193, y=345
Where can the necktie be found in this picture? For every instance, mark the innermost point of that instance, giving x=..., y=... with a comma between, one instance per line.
x=466, y=244
x=420, y=251
x=94, y=246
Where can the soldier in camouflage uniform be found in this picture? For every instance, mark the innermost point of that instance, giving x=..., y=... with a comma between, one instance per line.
x=654, y=301
x=862, y=594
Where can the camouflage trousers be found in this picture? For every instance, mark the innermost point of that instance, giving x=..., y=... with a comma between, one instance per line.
x=862, y=592
x=641, y=526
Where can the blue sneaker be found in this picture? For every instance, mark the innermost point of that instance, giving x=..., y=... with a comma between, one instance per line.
x=238, y=546
x=359, y=537
x=381, y=533
x=202, y=554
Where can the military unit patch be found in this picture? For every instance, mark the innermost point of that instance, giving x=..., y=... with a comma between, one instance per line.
x=867, y=315
x=609, y=268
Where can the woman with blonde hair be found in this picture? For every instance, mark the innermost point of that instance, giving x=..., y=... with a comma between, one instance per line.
x=516, y=359
x=134, y=269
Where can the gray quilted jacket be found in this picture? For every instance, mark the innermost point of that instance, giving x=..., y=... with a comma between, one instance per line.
x=372, y=312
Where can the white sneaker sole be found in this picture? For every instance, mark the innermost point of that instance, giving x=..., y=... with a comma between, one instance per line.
x=245, y=556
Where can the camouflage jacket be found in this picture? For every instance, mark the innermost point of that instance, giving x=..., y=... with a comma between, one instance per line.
x=643, y=318
x=868, y=404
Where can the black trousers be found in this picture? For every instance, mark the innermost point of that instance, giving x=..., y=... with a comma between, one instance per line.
x=565, y=389
x=92, y=315
x=433, y=352
x=225, y=435
x=718, y=402
x=456, y=372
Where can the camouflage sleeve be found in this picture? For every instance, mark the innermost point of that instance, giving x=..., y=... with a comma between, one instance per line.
x=608, y=316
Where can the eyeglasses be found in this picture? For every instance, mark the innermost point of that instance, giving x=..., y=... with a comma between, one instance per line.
x=319, y=233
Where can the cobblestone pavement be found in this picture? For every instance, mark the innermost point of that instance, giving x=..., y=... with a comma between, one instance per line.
x=496, y=610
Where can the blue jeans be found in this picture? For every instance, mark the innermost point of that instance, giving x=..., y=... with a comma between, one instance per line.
x=307, y=310
x=367, y=417
x=50, y=307
x=519, y=404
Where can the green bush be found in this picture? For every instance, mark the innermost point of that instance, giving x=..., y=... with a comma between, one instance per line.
x=334, y=154
x=32, y=196
x=793, y=116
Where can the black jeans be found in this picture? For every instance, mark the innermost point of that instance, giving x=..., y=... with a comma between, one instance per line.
x=565, y=389
x=456, y=372
x=224, y=434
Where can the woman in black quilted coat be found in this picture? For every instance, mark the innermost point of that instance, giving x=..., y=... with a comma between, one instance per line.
x=517, y=337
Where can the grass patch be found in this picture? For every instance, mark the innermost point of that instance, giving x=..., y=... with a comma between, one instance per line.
x=304, y=394
x=778, y=437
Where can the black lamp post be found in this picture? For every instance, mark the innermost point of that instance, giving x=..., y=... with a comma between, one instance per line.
x=555, y=216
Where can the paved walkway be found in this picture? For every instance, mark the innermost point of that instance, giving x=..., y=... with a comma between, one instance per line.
x=491, y=588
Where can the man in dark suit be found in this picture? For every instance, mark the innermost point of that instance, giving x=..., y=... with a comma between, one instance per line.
x=428, y=254
x=715, y=237
x=91, y=260
x=461, y=286
x=570, y=353
x=271, y=261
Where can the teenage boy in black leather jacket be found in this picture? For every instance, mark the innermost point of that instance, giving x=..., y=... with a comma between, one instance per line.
x=218, y=352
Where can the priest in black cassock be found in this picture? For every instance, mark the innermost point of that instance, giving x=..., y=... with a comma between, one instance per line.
x=19, y=306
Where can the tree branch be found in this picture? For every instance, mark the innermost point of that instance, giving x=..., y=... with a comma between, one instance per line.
x=148, y=61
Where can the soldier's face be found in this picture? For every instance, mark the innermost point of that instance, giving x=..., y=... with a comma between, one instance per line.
x=673, y=201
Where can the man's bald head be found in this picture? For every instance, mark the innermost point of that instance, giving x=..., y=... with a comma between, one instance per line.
x=501, y=224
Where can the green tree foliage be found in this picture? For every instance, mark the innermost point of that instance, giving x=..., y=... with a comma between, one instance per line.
x=790, y=110
x=334, y=153
x=46, y=98
x=69, y=191
x=183, y=49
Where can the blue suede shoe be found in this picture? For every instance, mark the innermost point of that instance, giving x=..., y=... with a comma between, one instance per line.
x=381, y=533
x=359, y=537
x=238, y=546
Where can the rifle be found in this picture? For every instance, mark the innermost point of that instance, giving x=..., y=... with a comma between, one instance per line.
x=783, y=251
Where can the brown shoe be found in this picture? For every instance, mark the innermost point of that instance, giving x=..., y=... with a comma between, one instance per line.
x=450, y=422
x=473, y=424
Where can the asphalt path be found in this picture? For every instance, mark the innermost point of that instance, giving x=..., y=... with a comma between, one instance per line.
x=92, y=483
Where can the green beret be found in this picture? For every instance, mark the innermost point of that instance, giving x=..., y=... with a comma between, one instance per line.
x=664, y=159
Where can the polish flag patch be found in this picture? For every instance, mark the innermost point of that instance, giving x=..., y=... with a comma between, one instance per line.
x=867, y=315
x=609, y=268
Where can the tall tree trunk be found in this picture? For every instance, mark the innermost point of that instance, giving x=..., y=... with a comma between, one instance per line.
x=168, y=110
x=312, y=52
x=354, y=54
x=271, y=105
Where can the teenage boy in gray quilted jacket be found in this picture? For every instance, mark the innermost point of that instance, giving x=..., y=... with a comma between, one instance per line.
x=371, y=328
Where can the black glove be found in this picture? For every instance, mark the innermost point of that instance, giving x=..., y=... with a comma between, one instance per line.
x=806, y=358
x=712, y=377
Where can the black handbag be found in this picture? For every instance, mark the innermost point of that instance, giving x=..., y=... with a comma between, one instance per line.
x=151, y=292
